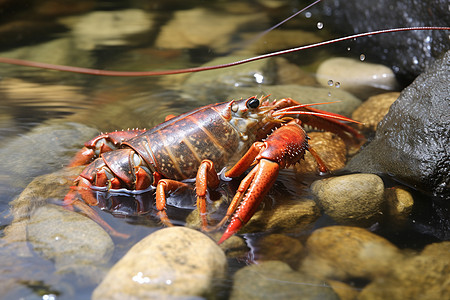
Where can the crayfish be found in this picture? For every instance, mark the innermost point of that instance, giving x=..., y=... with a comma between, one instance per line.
x=196, y=144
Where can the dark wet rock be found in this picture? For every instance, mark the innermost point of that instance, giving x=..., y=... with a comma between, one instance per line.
x=278, y=247
x=74, y=242
x=276, y=280
x=279, y=39
x=407, y=53
x=411, y=142
x=343, y=252
x=362, y=79
x=423, y=276
x=372, y=111
x=172, y=263
x=355, y=199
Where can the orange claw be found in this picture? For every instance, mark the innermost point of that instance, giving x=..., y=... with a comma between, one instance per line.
x=285, y=147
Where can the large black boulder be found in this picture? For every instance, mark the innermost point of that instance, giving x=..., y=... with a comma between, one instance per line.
x=412, y=142
x=407, y=53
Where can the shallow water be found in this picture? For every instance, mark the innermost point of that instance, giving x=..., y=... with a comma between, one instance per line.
x=35, y=99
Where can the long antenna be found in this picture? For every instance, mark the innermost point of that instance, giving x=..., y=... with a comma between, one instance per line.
x=205, y=68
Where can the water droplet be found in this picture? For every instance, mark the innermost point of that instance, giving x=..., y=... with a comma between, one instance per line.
x=348, y=48
x=330, y=82
x=362, y=57
x=308, y=14
x=415, y=60
x=337, y=84
x=329, y=94
x=259, y=78
x=319, y=25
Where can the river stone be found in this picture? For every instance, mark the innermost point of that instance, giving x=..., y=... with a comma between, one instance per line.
x=286, y=216
x=277, y=247
x=343, y=252
x=411, y=142
x=407, y=53
x=423, y=276
x=355, y=199
x=399, y=202
x=362, y=79
x=73, y=241
x=331, y=149
x=199, y=27
x=42, y=150
x=172, y=263
x=276, y=280
x=372, y=111
x=108, y=28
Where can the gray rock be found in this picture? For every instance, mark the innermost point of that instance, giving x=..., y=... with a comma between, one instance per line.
x=74, y=242
x=362, y=79
x=44, y=149
x=276, y=280
x=172, y=263
x=407, y=53
x=355, y=199
x=411, y=142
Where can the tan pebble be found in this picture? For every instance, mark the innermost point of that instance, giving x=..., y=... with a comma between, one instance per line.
x=372, y=111
x=278, y=247
x=331, y=149
x=344, y=252
x=399, y=205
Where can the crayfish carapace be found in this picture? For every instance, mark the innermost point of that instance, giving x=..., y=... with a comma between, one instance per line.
x=238, y=134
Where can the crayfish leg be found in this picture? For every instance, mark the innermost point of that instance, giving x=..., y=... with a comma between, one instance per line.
x=165, y=186
x=320, y=163
x=206, y=177
x=71, y=202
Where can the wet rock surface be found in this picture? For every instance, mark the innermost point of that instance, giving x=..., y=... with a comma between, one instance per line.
x=172, y=263
x=407, y=53
x=343, y=252
x=422, y=276
x=74, y=242
x=412, y=140
x=372, y=111
x=351, y=199
x=276, y=280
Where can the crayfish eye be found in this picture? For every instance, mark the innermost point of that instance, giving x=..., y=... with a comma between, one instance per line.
x=252, y=102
